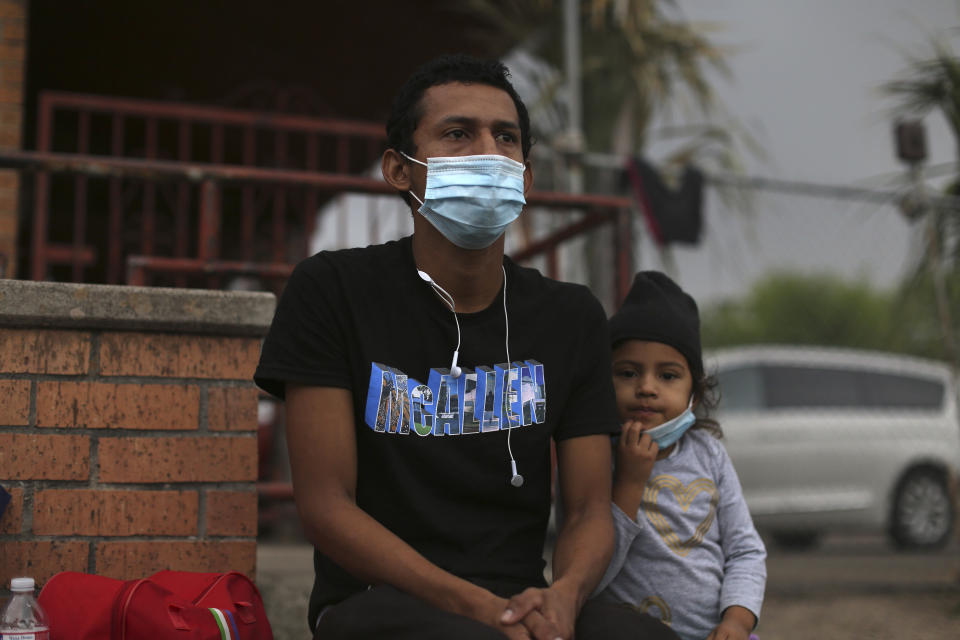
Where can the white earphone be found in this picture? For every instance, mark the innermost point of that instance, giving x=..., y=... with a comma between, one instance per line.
x=515, y=478
x=455, y=371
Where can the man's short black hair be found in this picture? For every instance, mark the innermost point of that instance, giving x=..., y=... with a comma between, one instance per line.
x=407, y=111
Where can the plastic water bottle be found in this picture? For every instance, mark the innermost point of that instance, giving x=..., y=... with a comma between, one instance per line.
x=22, y=618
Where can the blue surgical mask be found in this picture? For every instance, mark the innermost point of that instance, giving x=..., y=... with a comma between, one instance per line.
x=671, y=430
x=471, y=200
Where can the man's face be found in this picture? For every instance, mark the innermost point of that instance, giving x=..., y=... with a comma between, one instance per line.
x=458, y=119
x=467, y=119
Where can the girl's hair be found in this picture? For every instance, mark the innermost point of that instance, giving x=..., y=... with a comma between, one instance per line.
x=706, y=394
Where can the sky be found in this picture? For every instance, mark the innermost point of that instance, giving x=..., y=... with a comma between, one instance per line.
x=805, y=84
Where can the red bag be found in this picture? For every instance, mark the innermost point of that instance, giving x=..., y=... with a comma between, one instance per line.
x=179, y=605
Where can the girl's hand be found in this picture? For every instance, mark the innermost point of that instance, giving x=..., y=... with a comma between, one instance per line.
x=727, y=630
x=636, y=454
x=736, y=624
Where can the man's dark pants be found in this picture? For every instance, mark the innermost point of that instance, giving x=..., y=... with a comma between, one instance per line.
x=384, y=612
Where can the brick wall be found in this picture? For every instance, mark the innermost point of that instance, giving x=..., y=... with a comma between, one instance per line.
x=128, y=429
x=13, y=50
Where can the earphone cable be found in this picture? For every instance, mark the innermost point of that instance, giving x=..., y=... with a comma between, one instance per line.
x=448, y=300
x=506, y=323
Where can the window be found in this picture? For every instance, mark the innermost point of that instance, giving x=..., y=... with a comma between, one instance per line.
x=791, y=386
x=740, y=389
x=892, y=391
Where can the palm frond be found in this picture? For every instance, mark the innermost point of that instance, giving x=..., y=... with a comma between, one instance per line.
x=930, y=84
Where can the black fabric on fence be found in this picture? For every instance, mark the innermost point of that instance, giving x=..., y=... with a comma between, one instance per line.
x=672, y=215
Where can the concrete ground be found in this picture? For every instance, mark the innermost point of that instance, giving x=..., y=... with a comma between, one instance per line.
x=849, y=589
x=284, y=577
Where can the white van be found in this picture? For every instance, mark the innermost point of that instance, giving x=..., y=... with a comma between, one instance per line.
x=832, y=439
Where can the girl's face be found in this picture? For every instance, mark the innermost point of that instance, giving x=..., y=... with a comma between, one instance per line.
x=652, y=381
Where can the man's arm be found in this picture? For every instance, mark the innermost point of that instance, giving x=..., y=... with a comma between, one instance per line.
x=585, y=540
x=323, y=459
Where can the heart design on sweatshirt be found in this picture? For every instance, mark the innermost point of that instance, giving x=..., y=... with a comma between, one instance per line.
x=685, y=495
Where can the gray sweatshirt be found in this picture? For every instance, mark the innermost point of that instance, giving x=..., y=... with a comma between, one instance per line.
x=693, y=550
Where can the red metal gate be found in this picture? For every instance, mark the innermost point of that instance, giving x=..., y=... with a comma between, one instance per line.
x=147, y=192
x=200, y=192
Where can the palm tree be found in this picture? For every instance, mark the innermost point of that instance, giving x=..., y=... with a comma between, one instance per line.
x=641, y=62
x=640, y=58
x=933, y=84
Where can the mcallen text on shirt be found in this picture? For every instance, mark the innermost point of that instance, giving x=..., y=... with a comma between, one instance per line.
x=503, y=396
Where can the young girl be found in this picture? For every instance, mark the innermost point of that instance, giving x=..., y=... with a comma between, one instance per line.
x=686, y=547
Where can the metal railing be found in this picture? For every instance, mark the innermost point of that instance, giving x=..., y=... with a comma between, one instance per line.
x=212, y=179
x=148, y=192
x=143, y=218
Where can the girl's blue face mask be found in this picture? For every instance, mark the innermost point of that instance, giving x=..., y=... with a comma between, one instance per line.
x=671, y=430
x=471, y=200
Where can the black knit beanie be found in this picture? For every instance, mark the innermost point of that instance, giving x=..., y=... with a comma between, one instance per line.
x=656, y=309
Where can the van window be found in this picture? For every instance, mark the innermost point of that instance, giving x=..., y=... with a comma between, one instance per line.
x=890, y=391
x=747, y=388
x=741, y=389
x=788, y=386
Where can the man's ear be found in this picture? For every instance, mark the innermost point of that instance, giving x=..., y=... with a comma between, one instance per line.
x=527, y=178
x=395, y=170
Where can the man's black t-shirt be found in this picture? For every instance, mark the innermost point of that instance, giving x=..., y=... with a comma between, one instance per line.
x=432, y=459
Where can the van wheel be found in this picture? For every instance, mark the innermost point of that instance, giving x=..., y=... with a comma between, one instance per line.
x=796, y=540
x=922, y=511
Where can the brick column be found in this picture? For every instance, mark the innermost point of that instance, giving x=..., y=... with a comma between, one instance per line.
x=128, y=429
x=13, y=47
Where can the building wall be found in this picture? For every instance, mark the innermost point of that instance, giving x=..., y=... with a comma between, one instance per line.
x=13, y=51
x=128, y=429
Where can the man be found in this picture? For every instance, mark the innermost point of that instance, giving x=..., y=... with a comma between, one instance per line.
x=425, y=487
